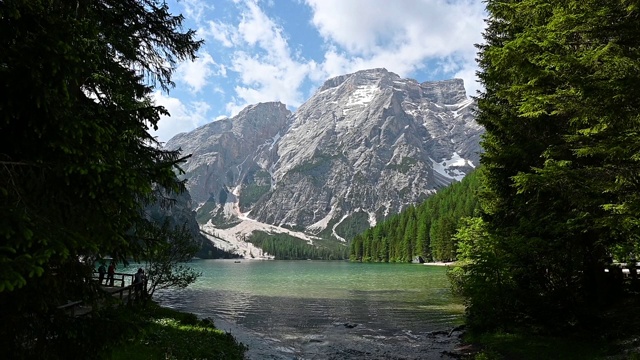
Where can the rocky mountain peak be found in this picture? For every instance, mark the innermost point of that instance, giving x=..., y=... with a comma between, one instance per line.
x=445, y=91
x=364, y=146
x=359, y=78
x=257, y=110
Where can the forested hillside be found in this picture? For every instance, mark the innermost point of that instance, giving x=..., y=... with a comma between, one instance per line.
x=287, y=247
x=425, y=230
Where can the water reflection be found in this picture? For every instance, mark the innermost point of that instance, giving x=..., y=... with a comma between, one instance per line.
x=302, y=303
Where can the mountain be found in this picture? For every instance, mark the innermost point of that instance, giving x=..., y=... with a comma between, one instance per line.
x=177, y=213
x=364, y=146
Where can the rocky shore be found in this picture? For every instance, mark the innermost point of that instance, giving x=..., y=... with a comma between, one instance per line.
x=349, y=341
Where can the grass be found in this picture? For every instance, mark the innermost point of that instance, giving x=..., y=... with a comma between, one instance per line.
x=162, y=333
x=617, y=337
x=503, y=346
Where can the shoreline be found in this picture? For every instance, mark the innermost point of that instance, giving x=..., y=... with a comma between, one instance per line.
x=329, y=343
x=258, y=347
x=439, y=263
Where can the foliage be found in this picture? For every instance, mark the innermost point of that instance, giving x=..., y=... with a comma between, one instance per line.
x=352, y=225
x=77, y=163
x=287, y=247
x=254, y=188
x=426, y=230
x=482, y=276
x=560, y=164
x=204, y=212
x=161, y=333
x=96, y=333
x=499, y=346
x=166, y=256
x=252, y=193
x=616, y=338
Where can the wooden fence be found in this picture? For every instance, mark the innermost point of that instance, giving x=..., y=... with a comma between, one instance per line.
x=122, y=287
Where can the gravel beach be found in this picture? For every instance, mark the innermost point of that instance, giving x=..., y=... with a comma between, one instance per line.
x=347, y=341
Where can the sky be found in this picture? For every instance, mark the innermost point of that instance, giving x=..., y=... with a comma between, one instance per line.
x=284, y=50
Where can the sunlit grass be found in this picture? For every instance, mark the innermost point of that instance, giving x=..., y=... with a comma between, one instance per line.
x=169, y=334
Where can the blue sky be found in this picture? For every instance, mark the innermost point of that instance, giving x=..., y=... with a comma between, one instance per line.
x=283, y=50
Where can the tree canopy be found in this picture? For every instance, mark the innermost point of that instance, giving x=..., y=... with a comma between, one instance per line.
x=562, y=115
x=426, y=230
x=77, y=162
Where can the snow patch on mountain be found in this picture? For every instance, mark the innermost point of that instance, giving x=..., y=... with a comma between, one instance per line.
x=459, y=106
x=447, y=167
x=234, y=239
x=368, y=140
x=274, y=140
x=360, y=97
x=322, y=223
x=233, y=243
x=333, y=229
x=372, y=218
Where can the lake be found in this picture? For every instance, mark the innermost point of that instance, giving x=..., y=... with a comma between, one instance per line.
x=325, y=309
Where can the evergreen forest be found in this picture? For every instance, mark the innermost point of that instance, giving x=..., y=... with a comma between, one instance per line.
x=287, y=247
x=541, y=232
x=545, y=229
x=80, y=174
x=560, y=199
x=425, y=230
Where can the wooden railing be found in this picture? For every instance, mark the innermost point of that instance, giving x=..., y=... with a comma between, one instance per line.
x=119, y=279
x=129, y=290
x=122, y=287
x=624, y=270
x=125, y=284
x=71, y=307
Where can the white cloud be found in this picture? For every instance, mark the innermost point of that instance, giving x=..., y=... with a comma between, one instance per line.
x=468, y=74
x=267, y=80
x=266, y=67
x=223, y=33
x=249, y=57
x=355, y=25
x=195, y=9
x=369, y=27
x=183, y=117
x=196, y=73
x=401, y=36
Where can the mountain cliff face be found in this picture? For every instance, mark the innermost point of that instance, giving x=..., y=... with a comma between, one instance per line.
x=364, y=146
x=181, y=216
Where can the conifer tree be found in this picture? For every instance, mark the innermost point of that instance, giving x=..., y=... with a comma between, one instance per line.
x=560, y=155
x=77, y=162
x=405, y=235
x=422, y=238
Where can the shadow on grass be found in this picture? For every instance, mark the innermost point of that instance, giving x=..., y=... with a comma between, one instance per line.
x=162, y=333
x=615, y=336
x=500, y=346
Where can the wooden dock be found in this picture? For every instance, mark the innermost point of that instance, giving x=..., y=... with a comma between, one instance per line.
x=121, y=287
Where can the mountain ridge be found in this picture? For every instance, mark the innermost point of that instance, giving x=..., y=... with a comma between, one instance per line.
x=364, y=146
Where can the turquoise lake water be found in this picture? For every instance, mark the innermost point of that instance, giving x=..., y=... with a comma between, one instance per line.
x=297, y=303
